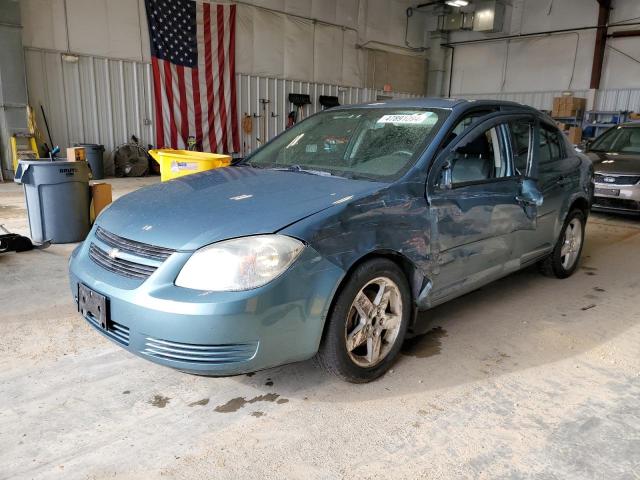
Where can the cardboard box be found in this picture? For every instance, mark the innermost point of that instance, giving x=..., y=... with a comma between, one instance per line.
x=555, y=111
x=77, y=154
x=101, y=195
x=574, y=135
x=568, y=106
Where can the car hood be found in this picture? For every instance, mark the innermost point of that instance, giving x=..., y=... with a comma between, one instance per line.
x=615, y=163
x=192, y=211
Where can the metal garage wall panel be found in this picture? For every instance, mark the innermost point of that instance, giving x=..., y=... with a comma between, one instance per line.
x=252, y=88
x=101, y=100
x=540, y=100
x=93, y=100
x=618, y=99
x=609, y=99
x=55, y=106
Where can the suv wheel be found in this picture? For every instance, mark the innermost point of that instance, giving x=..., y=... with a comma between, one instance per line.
x=368, y=322
x=563, y=261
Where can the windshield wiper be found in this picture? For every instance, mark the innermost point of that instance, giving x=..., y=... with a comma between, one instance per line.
x=298, y=168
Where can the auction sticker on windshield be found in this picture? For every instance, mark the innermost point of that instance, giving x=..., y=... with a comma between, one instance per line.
x=412, y=118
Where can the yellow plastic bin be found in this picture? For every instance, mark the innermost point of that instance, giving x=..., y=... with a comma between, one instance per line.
x=178, y=163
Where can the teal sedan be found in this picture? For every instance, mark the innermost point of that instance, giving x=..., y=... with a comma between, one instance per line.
x=330, y=238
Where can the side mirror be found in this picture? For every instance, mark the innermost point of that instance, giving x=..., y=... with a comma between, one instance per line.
x=587, y=145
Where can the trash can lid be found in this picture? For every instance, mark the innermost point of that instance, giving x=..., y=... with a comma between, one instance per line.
x=95, y=146
x=45, y=162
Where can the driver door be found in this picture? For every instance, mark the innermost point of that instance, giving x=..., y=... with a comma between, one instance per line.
x=478, y=200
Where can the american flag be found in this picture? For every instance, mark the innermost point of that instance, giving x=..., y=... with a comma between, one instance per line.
x=193, y=63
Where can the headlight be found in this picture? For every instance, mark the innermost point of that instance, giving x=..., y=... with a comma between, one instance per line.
x=239, y=264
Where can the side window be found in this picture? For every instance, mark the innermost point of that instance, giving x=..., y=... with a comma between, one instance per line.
x=550, y=146
x=482, y=158
x=521, y=131
x=464, y=123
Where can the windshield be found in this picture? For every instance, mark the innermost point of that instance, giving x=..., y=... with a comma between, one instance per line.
x=375, y=144
x=620, y=140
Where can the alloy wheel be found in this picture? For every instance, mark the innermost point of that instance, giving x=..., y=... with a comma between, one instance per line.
x=571, y=245
x=373, y=322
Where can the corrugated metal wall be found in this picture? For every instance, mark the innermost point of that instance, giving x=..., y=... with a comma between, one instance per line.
x=270, y=119
x=539, y=100
x=101, y=100
x=93, y=100
x=608, y=100
x=619, y=99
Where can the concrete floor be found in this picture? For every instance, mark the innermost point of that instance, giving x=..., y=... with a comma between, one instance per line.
x=529, y=377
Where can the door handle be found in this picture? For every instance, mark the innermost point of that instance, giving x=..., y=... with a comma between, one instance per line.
x=525, y=201
x=535, y=201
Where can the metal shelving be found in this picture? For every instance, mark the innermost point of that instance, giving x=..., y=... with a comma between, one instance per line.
x=597, y=121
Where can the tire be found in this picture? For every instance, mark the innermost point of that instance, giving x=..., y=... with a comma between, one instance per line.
x=372, y=347
x=557, y=264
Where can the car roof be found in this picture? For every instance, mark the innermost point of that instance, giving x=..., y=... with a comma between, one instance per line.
x=435, y=102
x=635, y=124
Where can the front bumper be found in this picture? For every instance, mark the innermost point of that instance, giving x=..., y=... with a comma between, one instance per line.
x=212, y=333
x=627, y=200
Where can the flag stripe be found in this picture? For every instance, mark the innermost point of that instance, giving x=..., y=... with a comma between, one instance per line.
x=184, y=117
x=157, y=93
x=197, y=120
x=232, y=76
x=209, y=78
x=221, y=76
x=168, y=93
x=166, y=110
x=215, y=77
x=202, y=81
x=227, y=82
x=188, y=90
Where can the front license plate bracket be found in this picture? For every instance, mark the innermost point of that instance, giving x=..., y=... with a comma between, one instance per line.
x=614, y=192
x=92, y=304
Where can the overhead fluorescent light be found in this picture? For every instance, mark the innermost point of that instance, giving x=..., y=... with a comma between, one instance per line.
x=457, y=3
x=70, y=58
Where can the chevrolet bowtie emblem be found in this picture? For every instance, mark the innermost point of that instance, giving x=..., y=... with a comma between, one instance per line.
x=113, y=253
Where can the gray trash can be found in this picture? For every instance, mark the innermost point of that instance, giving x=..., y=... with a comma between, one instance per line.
x=58, y=198
x=95, y=158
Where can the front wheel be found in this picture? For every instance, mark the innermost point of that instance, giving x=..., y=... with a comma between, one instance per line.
x=368, y=322
x=563, y=261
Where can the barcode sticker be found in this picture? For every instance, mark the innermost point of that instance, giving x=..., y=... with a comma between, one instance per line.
x=413, y=118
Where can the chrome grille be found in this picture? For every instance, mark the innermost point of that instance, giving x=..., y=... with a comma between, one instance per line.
x=205, y=354
x=119, y=265
x=114, y=331
x=617, y=179
x=133, y=247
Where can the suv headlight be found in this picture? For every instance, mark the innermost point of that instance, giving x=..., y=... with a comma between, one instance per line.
x=239, y=264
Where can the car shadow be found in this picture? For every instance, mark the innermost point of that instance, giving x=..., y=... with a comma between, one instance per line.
x=496, y=330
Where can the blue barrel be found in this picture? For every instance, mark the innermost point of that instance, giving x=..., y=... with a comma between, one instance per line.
x=95, y=158
x=58, y=198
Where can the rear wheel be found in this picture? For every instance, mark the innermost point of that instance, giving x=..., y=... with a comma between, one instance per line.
x=367, y=323
x=563, y=261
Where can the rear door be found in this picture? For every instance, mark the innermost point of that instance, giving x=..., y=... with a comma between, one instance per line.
x=476, y=211
x=555, y=166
